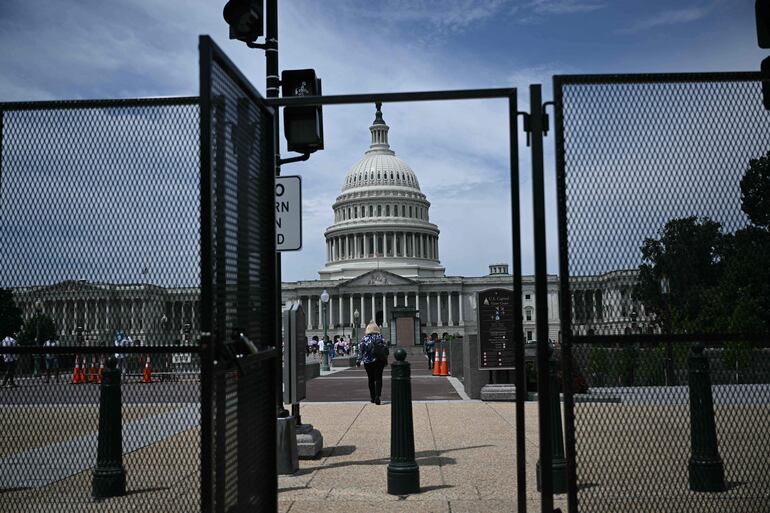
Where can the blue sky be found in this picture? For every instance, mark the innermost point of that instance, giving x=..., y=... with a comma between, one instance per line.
x=91, y=49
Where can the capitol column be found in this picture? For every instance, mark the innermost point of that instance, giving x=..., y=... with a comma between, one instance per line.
x=363, y=313
x=374, y=311
x=331, y=313
x=395, y=244
x=355, y=247
x=427, y=301
x=351, y=309
x=438, y=309
x=320, y=319
x=460, y=302
x=340, y=311
x=384, y=311
x=308, y=313
x=449, y=305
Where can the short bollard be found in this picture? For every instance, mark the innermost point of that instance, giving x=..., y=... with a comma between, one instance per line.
x=109, y=478
x=403, y=472
x=707, y=473
x=558, y=461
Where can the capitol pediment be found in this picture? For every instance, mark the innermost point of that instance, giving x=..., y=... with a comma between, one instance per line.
x=377, y=278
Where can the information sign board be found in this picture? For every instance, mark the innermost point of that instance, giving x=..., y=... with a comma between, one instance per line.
x=288, y=213
x=294, y=352
x=495, y=321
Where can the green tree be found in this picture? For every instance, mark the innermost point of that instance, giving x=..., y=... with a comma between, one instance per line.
x=30, y=331
x=677, y=271
x=755, y=191
x=10, y=314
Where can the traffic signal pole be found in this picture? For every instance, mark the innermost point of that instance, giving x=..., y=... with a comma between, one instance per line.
x=272, y=88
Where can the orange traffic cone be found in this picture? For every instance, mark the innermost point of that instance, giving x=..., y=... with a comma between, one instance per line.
x=444, y=370
x=92, y=372
x=101, y=371
x=147, y=377
x=76, y=371
x=436, y=365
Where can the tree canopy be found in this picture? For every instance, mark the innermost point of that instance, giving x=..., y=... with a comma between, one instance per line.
x=696, y=279
x=29, y=334
x=755, y=191
x=10, y=314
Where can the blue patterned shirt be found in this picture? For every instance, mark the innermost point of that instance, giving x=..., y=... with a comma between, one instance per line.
x=365, y=354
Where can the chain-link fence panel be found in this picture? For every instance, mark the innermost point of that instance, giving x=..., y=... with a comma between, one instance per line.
x=664, y=228
x=100, y=268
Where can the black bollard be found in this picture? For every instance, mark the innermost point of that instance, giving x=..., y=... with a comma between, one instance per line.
x=558, y=461
x=707, y=474
x=109, y=478
x=403, y=472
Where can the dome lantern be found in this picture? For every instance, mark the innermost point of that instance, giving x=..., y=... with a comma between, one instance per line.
x=379, y=130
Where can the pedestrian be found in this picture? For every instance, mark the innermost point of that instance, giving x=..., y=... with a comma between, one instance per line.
x=10, y=362
x=373, y=353
x=314, y=344
x=430, y=349
x=51, y=361
x=121, y=341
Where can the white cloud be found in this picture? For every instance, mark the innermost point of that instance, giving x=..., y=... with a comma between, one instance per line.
x=545, y=7
x=667, y=18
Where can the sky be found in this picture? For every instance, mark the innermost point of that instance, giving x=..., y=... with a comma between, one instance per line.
x=458, y=150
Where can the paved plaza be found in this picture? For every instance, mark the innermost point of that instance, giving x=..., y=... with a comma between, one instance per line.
x=465, y=450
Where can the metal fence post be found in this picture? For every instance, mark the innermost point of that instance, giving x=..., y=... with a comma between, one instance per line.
x=109, y=479
x=403, y=472
x=559, y=464
x=707, y=474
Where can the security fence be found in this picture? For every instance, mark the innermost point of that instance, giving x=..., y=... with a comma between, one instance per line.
x=139, y=234
x=99, y=221
x=664, y=262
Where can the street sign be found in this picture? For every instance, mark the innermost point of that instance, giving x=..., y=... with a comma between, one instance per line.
x=495, y=322
x=288, y=213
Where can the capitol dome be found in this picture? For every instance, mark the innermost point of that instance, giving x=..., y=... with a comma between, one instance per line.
x=381, y=218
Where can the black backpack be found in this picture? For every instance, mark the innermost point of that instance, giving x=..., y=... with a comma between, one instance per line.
x=380, y=350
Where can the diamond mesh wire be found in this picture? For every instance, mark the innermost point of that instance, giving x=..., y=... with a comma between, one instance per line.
x=663, y=249
x=100, y=230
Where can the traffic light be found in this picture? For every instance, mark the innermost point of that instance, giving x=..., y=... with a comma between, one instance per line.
x=762, y=10
x=302, y=126
x=245, y=18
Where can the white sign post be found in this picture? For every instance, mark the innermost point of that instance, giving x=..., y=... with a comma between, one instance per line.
x=288, y=213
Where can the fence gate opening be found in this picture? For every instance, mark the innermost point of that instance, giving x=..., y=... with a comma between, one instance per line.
x=664, y=249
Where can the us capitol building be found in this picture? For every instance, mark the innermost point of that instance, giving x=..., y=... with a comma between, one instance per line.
x=382, y=263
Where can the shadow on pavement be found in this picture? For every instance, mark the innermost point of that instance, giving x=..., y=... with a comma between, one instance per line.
x=424, y=458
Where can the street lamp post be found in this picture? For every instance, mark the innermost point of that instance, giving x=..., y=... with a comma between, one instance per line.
x=164, y=330
x=325, y=301
x=356, y=315
x=36, y=358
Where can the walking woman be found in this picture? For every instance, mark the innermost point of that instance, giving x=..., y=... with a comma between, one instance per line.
x=373, y=352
